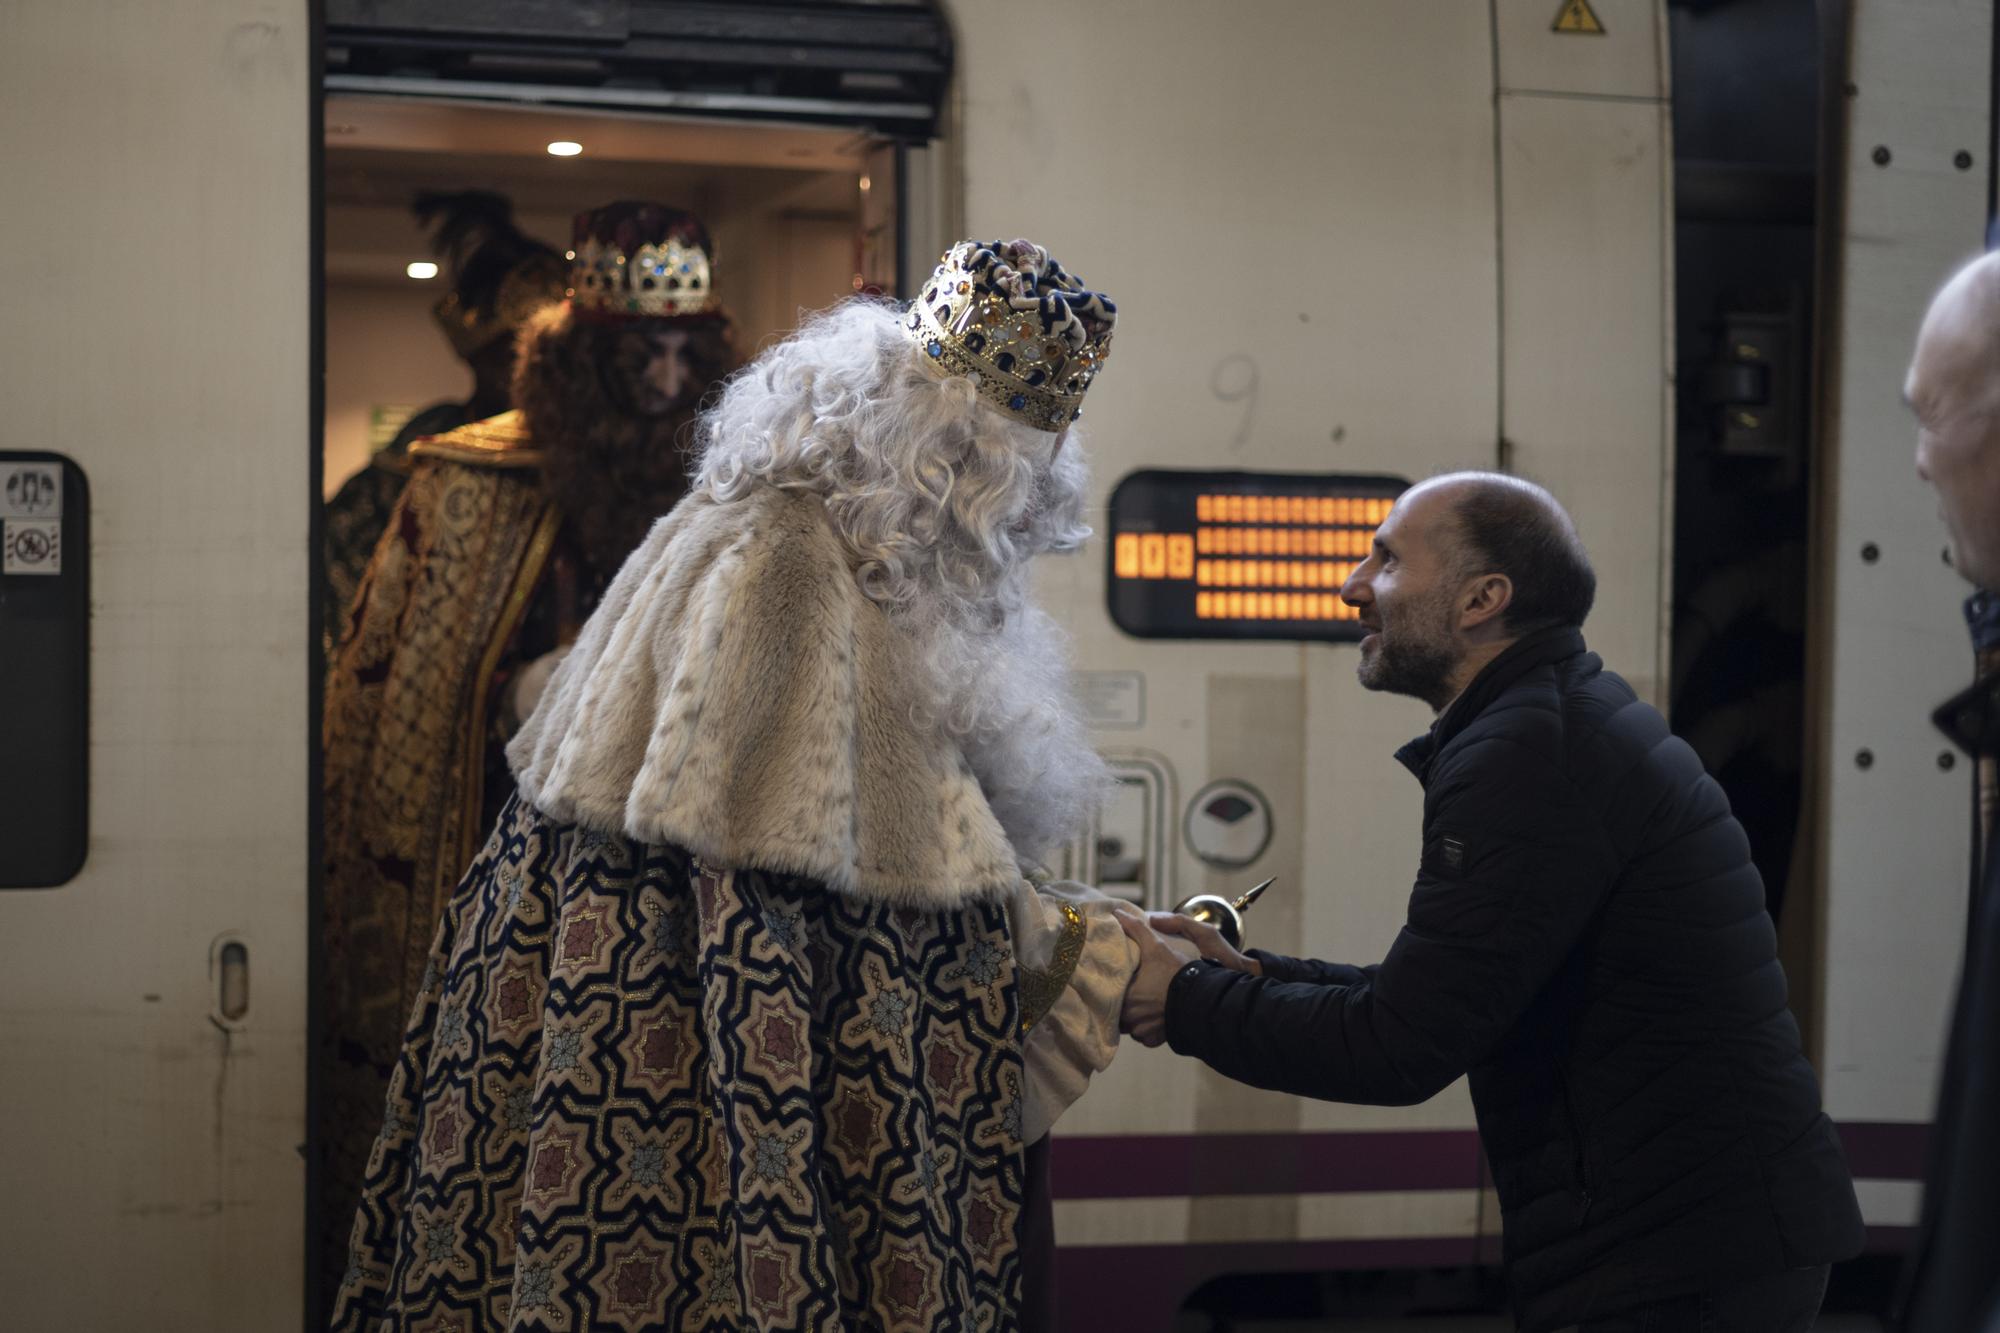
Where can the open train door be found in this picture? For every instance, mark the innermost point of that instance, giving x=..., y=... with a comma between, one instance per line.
x=800, y=134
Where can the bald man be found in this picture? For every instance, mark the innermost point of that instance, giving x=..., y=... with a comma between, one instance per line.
x=1586, y=939
x=1954, y=389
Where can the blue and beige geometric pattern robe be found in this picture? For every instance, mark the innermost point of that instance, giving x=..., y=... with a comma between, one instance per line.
x=640, y=1092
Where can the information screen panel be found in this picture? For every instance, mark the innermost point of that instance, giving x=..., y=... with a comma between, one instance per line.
x=1241, y=555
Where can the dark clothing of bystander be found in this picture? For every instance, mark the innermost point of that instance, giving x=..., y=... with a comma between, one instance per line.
x=1785, y=1302
x=1587, y=939
x=1952, y=1283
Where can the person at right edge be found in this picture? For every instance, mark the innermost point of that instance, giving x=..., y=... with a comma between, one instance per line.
x=1952, y=1283
x=1587, y=939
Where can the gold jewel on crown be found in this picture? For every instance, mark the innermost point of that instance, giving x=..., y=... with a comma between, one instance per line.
x=654, y=282
x=1007, y=317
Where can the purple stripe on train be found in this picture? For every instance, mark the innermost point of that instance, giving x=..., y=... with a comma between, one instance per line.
x=1152, y=1166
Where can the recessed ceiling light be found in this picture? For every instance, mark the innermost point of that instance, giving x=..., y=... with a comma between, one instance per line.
x=865, y=183
x=421, y=269
x=564, y=148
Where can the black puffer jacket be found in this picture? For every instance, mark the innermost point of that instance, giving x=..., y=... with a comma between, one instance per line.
x=1587, y=939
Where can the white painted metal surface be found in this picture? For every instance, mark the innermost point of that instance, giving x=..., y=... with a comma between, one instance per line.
x=1895, y=833
x=1360, y=1215
x=1299, y=216
x=153, y=248
x=1587, y=303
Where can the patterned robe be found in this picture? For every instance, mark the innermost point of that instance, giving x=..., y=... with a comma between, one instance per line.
x=641, y=1092
x=355, y=518
x=409, y=746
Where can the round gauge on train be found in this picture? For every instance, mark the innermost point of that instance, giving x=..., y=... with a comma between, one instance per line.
x=1228, y=824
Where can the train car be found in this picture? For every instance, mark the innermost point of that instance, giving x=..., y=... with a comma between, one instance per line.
x=1354, y=243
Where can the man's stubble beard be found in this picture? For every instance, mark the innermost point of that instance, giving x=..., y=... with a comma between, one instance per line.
x=1415, y=655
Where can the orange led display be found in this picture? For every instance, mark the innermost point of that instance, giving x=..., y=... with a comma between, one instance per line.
x=1270, y=573
x=1241, y=554
x=1125, y=555
x=1350, y=541
x=1270, y=606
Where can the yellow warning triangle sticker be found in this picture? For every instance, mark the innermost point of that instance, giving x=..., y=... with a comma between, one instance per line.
x=1577, y=16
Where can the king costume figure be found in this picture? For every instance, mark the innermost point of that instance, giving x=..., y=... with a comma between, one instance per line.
x=500, y=278
x=746, y=1014
x=502, y=543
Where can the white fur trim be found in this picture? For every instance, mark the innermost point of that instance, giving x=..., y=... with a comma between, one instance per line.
x=736, y=694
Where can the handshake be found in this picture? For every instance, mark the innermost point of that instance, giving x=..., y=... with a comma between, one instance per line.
x=1168, y=942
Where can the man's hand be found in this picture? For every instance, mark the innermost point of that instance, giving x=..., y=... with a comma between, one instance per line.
x=1206, y=938
x=1145, y=1013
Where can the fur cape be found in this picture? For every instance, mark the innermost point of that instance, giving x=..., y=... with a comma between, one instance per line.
x=737, y=695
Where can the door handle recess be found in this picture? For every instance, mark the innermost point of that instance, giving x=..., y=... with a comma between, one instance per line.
x=229, y=981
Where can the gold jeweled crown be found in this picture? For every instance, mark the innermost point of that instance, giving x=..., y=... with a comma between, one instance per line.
x=654, y=282
x=1006, y=315
x=667, y=281
x=640, y=260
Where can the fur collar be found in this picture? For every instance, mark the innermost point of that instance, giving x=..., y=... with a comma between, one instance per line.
x=736, y=694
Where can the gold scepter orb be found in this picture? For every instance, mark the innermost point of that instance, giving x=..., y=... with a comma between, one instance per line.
x=1226, y=916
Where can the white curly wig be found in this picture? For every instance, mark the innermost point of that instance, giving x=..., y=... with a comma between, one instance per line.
x=941, y=501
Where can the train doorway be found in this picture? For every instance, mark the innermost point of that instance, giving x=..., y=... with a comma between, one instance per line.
x=804, y=144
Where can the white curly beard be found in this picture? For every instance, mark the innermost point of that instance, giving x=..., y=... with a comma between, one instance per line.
x=1006, y=696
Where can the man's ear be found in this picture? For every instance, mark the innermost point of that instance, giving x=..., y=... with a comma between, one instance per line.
x=1484, y=602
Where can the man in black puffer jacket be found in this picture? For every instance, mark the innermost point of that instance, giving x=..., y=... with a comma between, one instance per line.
x=1587, y=939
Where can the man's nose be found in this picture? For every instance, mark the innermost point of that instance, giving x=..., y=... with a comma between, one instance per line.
x=1356, y=592
x=1923, y=470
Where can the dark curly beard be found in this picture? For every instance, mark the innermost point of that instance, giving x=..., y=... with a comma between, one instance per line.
x=611, y=465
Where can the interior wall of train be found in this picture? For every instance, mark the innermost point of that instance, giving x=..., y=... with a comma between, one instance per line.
x=787, y=206
x=1668, y=265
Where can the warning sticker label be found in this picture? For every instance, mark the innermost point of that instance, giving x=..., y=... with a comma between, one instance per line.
x=30, y=546
x=30, y=490
x=1577, y=16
